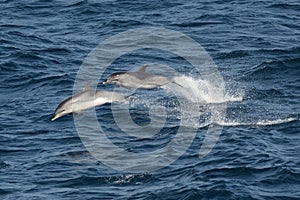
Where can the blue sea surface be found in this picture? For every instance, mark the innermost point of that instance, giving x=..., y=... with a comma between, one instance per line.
x=254, y=44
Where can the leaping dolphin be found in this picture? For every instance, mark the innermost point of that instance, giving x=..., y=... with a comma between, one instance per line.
x=88, y=98
x=138, y=79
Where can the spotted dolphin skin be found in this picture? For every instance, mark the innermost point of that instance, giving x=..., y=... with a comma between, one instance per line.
x=88, y=98
x=138, y=79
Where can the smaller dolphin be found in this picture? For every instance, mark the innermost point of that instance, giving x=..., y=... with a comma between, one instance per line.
x=138, y=79
x=88, y=98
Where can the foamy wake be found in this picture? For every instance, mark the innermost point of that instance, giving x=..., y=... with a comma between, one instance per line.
x=201, y=91
x=259, y=122
x=202, y=104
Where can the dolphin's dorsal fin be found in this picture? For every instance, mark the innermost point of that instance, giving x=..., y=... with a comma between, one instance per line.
x=87, y=86
x=143, y=68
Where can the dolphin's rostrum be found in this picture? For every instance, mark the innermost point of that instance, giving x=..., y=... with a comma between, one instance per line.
x=138, y=79
x=88, y=98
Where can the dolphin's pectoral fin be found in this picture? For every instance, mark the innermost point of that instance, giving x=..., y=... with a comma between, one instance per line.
x=87, y=86
x=127, y=96
x=177, y=84
x=143, y=68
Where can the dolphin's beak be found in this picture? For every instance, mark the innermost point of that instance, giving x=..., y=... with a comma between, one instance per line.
x=107, y=82
x=55, y=117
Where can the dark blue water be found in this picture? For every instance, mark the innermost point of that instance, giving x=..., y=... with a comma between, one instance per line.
x=255, y=45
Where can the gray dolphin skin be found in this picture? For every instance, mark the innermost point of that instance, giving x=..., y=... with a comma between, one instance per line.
x=138, y=79
x=88, y=98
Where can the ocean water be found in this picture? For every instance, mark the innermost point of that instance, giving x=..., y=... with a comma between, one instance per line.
x=255, y=46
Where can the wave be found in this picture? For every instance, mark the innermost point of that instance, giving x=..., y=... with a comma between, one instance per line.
x=102, y=180
x=285, y=68
x=3, y=165
x=287, y=6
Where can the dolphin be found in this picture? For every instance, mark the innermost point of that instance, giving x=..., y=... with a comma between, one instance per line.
x=88, y=98
x=138, y=79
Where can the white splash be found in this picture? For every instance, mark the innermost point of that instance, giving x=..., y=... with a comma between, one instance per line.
x=200, y=91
